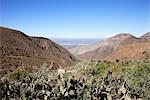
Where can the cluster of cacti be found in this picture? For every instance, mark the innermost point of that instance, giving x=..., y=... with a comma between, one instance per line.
x=85, y=81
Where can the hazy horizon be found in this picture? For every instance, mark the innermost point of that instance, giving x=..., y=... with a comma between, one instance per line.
x=76, y=18
x=76, y=41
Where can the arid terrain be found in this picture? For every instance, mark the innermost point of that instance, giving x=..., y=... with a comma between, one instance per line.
x=36, y=68
x=19, y=50
x=122, y=46
x=74, y=49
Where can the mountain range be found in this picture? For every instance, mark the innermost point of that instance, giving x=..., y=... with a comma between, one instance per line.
x=121, y=46
x=20, y=50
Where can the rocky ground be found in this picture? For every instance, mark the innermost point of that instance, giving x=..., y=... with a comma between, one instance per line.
x=90, y=80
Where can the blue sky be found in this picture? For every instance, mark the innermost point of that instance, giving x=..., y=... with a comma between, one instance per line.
x=76, y=18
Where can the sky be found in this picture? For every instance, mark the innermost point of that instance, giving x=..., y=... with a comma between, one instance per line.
x=76, y=18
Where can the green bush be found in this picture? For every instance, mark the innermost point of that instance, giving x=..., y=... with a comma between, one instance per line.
x=85, y=81
x=18, y=75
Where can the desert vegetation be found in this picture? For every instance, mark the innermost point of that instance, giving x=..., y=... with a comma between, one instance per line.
x=89, y=80
x=74, y=50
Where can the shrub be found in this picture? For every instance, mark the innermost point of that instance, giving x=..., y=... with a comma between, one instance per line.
x=84, y=81
x=19, y=74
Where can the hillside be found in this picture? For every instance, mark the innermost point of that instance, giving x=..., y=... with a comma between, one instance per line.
x=104, y=48
x=146, y=36
x=19, y=50
x=140, y=51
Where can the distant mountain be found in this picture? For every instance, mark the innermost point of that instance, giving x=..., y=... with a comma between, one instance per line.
x=146, y=36
x=104, y=48
x=17, y=49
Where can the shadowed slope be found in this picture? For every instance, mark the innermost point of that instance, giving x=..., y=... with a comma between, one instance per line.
x=18, y=49
x=146, y=36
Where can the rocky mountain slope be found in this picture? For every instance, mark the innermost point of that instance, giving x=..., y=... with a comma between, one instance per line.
x=20, y=50
x=140, y=51
x=120, y=46
x=104, y=48
x=146, y=36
